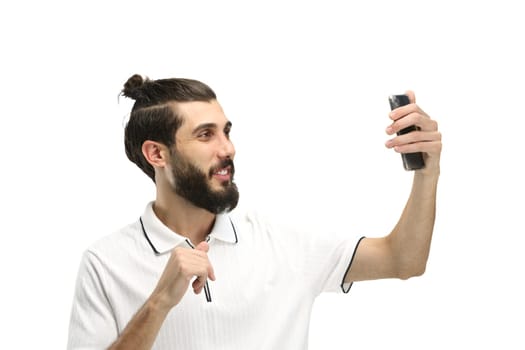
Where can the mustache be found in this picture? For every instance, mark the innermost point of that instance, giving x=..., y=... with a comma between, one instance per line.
x=223, y=164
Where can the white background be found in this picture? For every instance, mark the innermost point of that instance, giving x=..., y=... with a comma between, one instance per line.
x=305, y=84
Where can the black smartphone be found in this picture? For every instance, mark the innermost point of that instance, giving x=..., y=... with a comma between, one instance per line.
x=411, y=161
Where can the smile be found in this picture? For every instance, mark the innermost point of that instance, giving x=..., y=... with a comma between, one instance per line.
x=224, y=171
x=223, y=175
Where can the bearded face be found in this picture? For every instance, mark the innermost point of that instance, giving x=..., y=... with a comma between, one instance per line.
x=195, y=185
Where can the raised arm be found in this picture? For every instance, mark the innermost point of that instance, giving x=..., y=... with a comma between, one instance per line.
x=404, y=252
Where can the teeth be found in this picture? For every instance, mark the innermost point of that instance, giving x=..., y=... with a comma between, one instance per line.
x=222, y=172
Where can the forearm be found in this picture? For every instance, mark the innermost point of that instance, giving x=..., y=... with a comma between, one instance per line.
x=142, y=330
x=410, y=239
x=183, y=266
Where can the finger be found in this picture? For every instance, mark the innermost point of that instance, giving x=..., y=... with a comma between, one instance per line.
x=428, y=147
x=419, y=118
x=413, y=137
x=198, y=285
x=184, y=256
x=203, y=247
x=411, y=96
x=211, y=273
x=403, y=111
x=202, y=268
x=191, y=258
x=199, y=273
x=196, y=265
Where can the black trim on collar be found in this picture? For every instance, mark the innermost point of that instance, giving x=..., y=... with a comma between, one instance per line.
x=189, y=243
x=234, y=230
x=348, y=268
x=147, y=238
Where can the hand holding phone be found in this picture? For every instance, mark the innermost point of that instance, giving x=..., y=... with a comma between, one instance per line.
x=411, y=161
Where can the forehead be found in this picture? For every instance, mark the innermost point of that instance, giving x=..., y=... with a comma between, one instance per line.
x=196, y=113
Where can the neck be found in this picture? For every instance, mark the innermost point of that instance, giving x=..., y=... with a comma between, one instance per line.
x=183, y=217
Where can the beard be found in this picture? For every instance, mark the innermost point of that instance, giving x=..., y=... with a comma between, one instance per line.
x=193, y=184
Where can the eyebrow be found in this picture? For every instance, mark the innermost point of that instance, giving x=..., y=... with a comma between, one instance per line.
x=209, y=126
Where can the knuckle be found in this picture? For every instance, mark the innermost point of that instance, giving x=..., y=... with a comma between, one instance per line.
x=177, y=258
x=177, y=252
x=185, y=271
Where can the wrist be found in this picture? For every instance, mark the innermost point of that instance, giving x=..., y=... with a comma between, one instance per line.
x=158, y=304
x=430, y=172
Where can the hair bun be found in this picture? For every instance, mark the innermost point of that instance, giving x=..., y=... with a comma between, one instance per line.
x=133, y=87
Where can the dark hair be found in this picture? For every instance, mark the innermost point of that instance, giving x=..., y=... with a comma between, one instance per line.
x=152, y=117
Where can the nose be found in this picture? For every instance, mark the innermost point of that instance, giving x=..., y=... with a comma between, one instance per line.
x=226, y=149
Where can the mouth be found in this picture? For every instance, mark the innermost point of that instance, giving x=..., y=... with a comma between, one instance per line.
x=223, y=172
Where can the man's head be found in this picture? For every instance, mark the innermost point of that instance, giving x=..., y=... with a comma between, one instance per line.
x=177, y=131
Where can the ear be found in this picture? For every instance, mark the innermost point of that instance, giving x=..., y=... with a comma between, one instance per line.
x=156, y=153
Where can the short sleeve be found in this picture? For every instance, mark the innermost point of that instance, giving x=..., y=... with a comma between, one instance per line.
x=328, y=258
x=322, y=255
x=92, y=323
x=339, y=260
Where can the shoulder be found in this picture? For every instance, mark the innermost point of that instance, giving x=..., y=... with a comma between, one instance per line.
x=304, y=231
x=125, y=239
x=259, y=226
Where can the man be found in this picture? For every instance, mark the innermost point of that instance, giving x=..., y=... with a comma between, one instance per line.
x=259, y=280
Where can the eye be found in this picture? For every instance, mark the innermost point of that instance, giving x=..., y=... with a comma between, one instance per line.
x=205, y=135
x=227, y=132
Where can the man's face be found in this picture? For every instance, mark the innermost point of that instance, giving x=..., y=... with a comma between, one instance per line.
x=202, y=166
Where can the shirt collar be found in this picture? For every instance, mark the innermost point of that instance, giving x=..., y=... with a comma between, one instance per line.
x=162, y=239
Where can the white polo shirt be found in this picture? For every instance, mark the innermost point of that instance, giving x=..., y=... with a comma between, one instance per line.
x=267, y=279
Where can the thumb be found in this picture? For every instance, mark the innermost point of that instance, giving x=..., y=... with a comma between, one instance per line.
x=203, y=246
x=411, y=96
